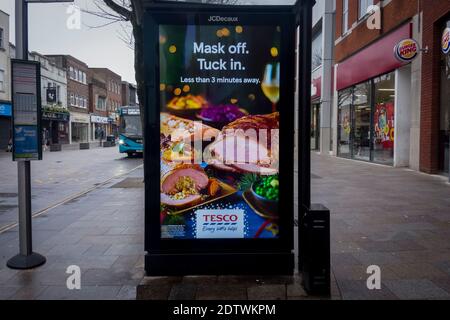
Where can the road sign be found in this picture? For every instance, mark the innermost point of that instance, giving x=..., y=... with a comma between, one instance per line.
x=26, y=104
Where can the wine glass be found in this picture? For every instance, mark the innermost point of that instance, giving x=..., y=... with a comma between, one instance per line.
x=271, y=84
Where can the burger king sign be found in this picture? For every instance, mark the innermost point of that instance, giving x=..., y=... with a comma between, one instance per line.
x=446, y=41
x=407, y=50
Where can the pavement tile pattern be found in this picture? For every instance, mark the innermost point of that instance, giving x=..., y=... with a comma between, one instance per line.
x=396, y=219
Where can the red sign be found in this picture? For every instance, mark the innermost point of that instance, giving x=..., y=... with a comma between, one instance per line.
x=316, y=88
x=372, y=61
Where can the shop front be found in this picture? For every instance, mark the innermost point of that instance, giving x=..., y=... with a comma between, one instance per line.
x=113, y=127
x=366, y=120
x=444, y=159
x=99, y=127
x=56, y=124
x=373, y=116
x=5, y=124
x=79, y=123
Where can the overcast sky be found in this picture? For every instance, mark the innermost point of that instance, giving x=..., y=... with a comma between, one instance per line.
x=98, y=47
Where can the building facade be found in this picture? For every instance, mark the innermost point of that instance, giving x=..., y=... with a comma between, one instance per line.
x=129, y=94
x=77, y=96
x=5, y=82
x=98, y=95
x=322, y=75
x=435, y=88
x=55, y=114
x=113, y=84
x=377, y=96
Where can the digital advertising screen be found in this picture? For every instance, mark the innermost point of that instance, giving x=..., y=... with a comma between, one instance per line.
x=219, y=100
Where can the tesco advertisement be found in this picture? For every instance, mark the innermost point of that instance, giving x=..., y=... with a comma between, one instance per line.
x=219, y=131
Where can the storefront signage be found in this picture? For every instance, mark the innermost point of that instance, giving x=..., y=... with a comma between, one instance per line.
x=5, y=110
x=79, y=118
x=51, y=95
x=57, y=116
x=99, y=119
x=220, y=224
x=131, y=111
x=446, y=41
x=316, y=88
x=26, y=110
x=407, y=50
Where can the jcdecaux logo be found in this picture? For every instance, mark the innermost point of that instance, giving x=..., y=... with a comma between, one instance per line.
x=222, y=19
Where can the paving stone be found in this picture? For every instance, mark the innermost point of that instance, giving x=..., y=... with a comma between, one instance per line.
x=86, y=293
x=417, y=270
x=28, y=292
x=160, y=281
x=296, y=290
x=357, y=290
x=267, y=292
x=153, y=292
x=127, y=293
x=183, y=291
x=221, y=292
x=416, y=289
x=200, y=280
x=7, y=292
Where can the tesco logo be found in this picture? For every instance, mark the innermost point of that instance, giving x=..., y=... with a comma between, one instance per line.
x=220, y=218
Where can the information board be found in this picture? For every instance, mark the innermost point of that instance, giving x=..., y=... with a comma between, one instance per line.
x=26, y=109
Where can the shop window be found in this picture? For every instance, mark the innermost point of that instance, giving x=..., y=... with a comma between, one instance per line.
x=384, y=113
x=317, y=51
x=366, y=121
x=345, y=17
x=444, y=132
x=361, y=121
x=344, y=122
x=363, y=8
x=2, y=80
x=2, y=38
x=101, y=103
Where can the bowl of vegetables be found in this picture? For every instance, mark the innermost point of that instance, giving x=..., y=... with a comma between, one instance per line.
x=265, y=191
x=221, y=115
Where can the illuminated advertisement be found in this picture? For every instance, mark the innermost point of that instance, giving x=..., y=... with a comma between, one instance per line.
x=219, y=131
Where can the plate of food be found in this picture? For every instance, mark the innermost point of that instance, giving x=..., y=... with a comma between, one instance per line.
x=186, y=106
x=187, y=186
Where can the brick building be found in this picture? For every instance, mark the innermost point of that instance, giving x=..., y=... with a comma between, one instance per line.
x=129, y=94
x=435, y=112
x=97, y=107
x=376, y=110
x=113, y=84
x=5, y=82
x=77, y=96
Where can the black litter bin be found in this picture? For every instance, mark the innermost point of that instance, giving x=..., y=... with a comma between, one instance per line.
x=111, y=139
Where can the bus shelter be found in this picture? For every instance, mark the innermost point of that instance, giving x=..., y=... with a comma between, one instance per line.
x=223, y=83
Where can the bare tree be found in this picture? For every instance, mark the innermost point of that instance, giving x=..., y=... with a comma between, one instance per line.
x=129, y=14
